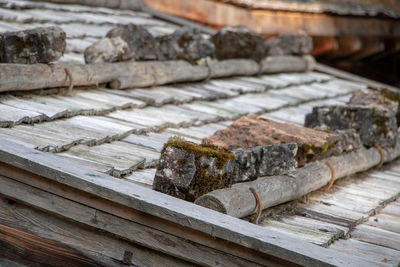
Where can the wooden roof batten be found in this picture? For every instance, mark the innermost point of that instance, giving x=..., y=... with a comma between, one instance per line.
x=219, y=14
x=101, y=201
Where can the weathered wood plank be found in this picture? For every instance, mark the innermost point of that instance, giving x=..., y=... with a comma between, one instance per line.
x=96, y=166
x=104, y=248
x=9, y=116
x=336, y=231
x=154, y=141
x=392, y=209
x=124, y=162
x=142, y=177
x=377, y=236
x=33, y=250
x=348, y=76
x=300, y=232
x=50, y=112
x=331, y=214
x=377, y=254
x=385, y=222
x=220, y=14
x=131, y=231
x=351, y=202
x=165, y=207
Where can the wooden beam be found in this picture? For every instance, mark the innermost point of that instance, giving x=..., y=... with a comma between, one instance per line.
x=121, y=75
x=370, y=46
x=219, y=14
x=250, y=239
x=105, y=249
x=352, y=77
x=324, y=45
x=123, y=229
x=392, y=47
x=121, y=4
x=347, y=45
x=32, y=250
x=133, y=220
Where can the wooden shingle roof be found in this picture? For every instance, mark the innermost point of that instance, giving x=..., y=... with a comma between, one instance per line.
x=89, y=157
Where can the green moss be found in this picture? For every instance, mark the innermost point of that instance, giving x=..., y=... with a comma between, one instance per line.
x=222, y=155
x=388, y=94
x=205, y=181
x=263, y=119
x=381, y=122
x=325, y=148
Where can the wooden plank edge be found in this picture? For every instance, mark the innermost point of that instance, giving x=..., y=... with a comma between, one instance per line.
x=103, y=248
x=352, y=77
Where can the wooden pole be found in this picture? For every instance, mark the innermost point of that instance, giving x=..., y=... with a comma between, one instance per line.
x=121, y=75
x=239, y=201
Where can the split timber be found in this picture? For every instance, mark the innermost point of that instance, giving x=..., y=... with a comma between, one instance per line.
x=103, y=221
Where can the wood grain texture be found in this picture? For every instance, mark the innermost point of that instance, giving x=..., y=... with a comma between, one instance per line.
x=123, y=229
x=122, y=75
x=381, y=256
x=26, y=248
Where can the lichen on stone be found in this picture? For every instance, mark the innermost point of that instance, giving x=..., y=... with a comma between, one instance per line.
x=194, y=170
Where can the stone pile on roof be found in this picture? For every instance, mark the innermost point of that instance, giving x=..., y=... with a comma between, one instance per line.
x=122, y=132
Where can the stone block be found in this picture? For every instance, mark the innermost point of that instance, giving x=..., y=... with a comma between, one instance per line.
x=372, y=116
x=239, y=42
x=140, y=42
x=187, y=170
x=264, y=161
x=185, y=43
x=251, y=131
x=108, y=50
x=290, y=44
x=38, y=45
